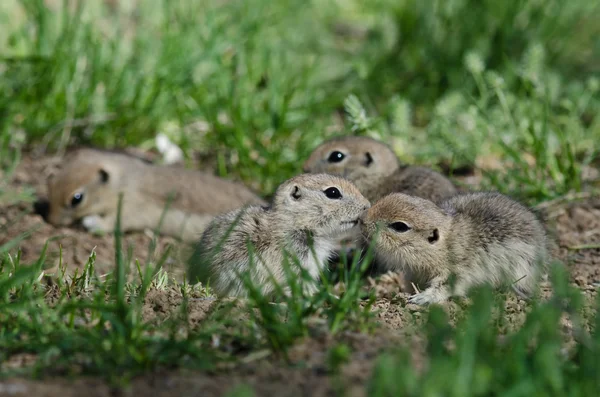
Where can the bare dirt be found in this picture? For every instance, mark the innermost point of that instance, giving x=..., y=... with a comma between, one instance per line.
x=574, y=224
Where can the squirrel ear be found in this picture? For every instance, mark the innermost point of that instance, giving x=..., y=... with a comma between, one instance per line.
x=369, y=159
x=296, y=193
x=435, y=236
x=103, y=175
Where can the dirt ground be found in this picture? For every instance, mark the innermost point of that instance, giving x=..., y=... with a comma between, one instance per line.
x=574, y=224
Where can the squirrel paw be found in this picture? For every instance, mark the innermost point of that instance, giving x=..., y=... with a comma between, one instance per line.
x=430, y=295
x=94, y=223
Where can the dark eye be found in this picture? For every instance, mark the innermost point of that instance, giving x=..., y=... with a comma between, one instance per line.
x=333, y=193
x=76, y=200
x=400, y=227
x=336, y=157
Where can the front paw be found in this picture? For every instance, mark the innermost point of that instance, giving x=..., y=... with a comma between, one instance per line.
x=95, y=224
x=428, y=296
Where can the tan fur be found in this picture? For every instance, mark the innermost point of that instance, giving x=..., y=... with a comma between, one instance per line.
x=374, y=168
x=477, y=237
x=301, y=221
x=196, y=197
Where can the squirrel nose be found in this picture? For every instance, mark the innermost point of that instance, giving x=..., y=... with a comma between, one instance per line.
x=42, y=208
x=362, y=217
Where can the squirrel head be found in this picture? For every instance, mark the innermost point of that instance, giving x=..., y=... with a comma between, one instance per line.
x=320, y=203
x=404, y=227
x=80, y=188
x=358, y=159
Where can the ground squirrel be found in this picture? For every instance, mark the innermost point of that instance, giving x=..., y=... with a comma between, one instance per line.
x=306, y=215
x=374, y=168
x=475, y=237
x=88, y=184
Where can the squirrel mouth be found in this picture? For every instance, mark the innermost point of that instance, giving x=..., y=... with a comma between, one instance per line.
x=350, y=223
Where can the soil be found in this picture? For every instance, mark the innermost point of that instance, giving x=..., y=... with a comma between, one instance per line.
x=574, y=224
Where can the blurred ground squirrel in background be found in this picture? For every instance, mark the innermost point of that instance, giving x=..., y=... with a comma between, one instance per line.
x=375, y=169
x=88, y=184
x=307, y=214
x=475, y=238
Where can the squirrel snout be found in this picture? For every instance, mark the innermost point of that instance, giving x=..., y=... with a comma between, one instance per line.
x=42, y=208
x=362, y=217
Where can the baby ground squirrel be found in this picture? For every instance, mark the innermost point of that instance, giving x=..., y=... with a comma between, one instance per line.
x=374, y=168
x=305, y=217
x=88, y=184
x=476, y=237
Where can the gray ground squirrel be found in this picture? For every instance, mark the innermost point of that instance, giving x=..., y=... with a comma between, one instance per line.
x=476, y=237
x=306, y=215
x=375, y=169
x=88, y=184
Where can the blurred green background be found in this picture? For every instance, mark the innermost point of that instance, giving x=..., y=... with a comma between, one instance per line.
x=251, y=87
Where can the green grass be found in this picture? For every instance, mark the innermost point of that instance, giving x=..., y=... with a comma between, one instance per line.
x=529, y=362
x=252, y=87
x=83, y=323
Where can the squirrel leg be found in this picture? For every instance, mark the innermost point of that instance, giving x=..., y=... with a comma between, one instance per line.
x=437, y=292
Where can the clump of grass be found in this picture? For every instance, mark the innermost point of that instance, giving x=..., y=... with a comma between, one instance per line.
x=538, y=137
x=94, y=326
x=254, y=87
x=528, y=148
x=290, y=312
x=420, y=47
x=234, y=81
x=474, y=358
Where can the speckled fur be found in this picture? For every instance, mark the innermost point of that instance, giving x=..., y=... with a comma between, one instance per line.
x=378, y=173
x=300, y=216
x=477, y=237
x=101, y=175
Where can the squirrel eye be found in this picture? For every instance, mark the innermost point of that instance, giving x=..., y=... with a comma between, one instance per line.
x=336, y=157
x=332, y=193
x=76, y=200
x=400, y=227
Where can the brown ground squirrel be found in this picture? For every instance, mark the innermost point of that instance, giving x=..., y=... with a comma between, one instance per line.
x=88, y=184
x=375, y=169
x=476, y=237
x=305, y=217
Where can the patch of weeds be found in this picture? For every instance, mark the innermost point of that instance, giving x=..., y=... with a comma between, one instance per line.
x=474, y=358
x=283, y=315
x=254, y=87
x=536, y=137
x=292, y=312
x=92, y=326
x=419, y=47
x=247, y=85
x=528, y=144
x=347, y=303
